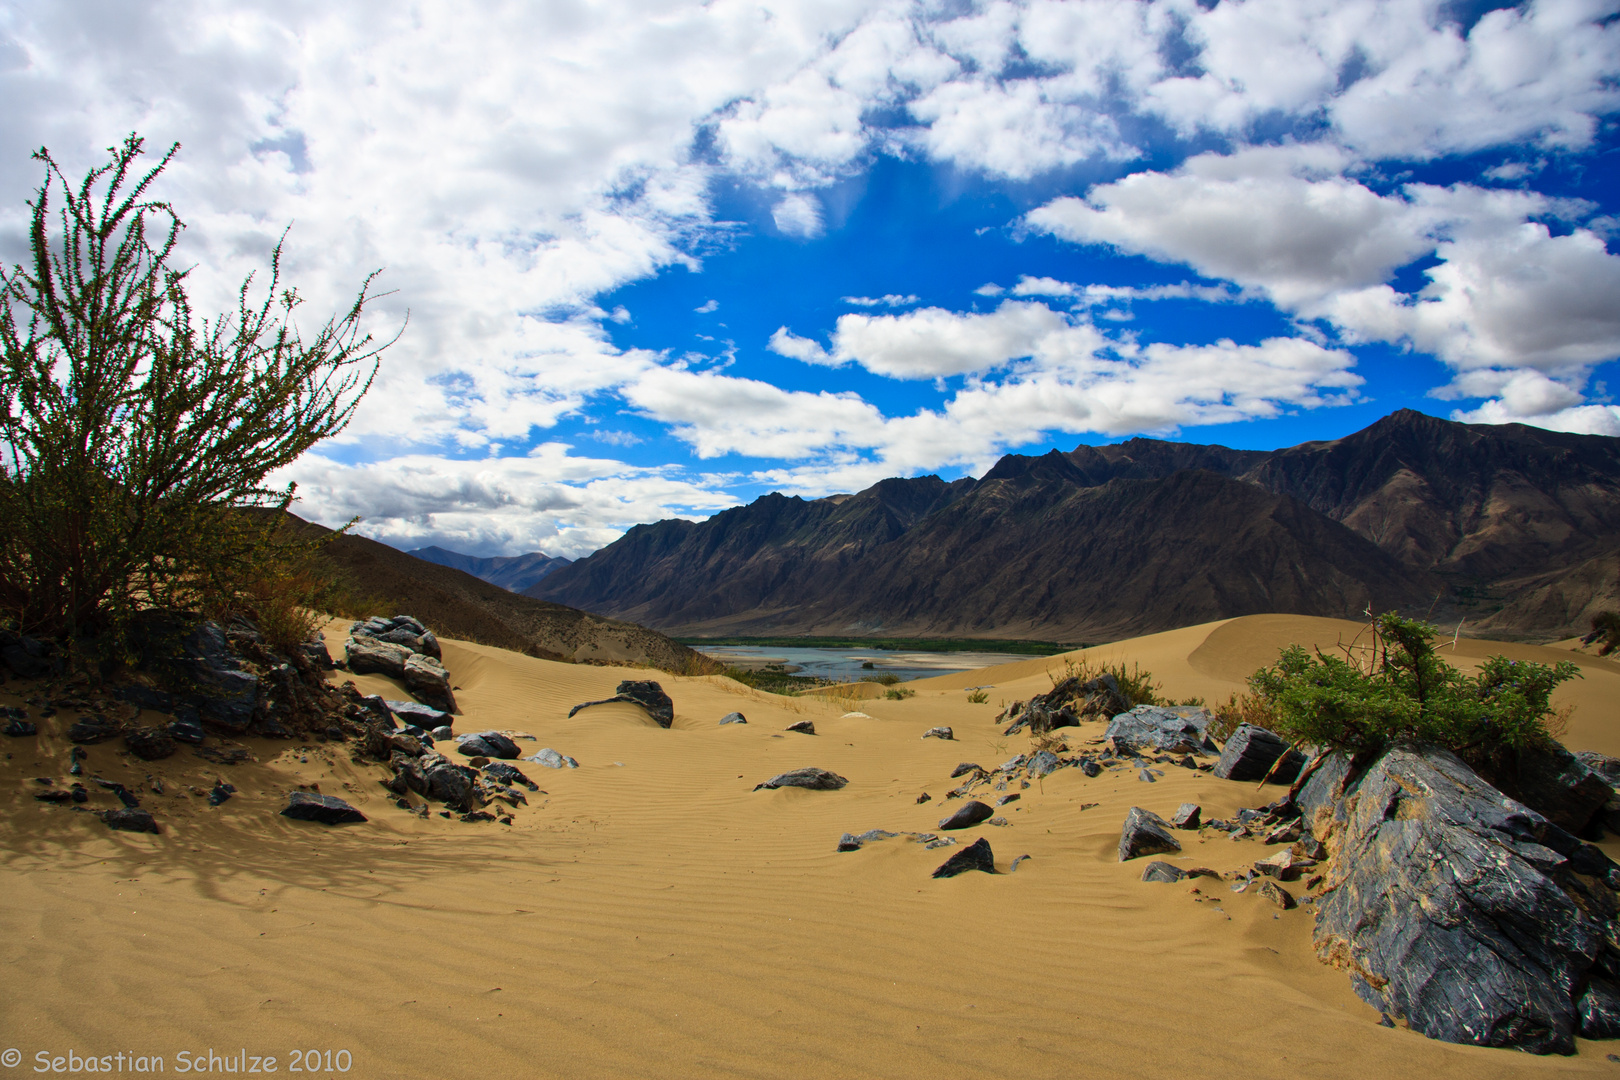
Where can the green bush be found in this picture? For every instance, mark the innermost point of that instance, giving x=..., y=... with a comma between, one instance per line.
x=1405, y=693
x=978, y=697
x=1605, y=632
x=899, y=694
x=134, y=430
x=888, y=678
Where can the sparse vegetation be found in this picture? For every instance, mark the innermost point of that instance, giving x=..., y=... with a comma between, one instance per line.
x=899, y=693
x=978, y=697
x=1605, y=632
x=888, y=678
x=134, y=431
x=1400, y=691
x=1137, y=684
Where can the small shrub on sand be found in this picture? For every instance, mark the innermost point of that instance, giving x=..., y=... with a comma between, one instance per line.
x=978, y=697
x=899, y=694
x=888, y=678
x=1403, y=692
x=1137, y=684
x=1605, y=632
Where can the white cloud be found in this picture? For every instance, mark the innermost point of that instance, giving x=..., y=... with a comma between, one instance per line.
x=798, y=214
x=886, y=300
x=707, y=306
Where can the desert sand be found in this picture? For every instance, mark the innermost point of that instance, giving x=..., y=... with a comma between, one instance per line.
x=650, y=915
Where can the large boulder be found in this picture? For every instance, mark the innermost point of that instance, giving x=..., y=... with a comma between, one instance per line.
x=976, y=856
x=644, y=692
x=326, y=809
x=430, y=682
x=1251, y=753
x=224, y=692
x=969, y=815
x=1145, y=833
x=490, y=744
x=1461, y=911
x=1553, y=782
x=812, y=778
x=452, y=785
x=1175, y=729
x=368, y=656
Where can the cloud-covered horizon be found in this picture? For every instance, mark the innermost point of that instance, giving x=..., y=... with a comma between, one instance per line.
x=645, y=278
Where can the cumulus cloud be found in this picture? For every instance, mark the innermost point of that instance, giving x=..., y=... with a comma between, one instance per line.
x=798, y=214
x=886, y=300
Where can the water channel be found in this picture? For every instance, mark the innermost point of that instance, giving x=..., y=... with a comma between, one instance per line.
x=847, y=665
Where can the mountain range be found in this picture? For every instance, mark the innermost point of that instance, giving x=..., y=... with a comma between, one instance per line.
x=511, y=572
x=1512, y=528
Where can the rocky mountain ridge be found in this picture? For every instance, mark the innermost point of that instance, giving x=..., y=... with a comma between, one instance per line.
x=1509, y=527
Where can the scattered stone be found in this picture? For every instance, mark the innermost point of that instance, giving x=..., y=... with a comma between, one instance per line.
x=812, y=778
x=93, y=730
x=54, y=795
x=969, y=815
x=1043, y=762
x=1005, y=799
x=80, y=795
x=368, y=656
x=478, y=815
x=449, y=784
x=1280, y=866
x=1186, y=816
x=1090, y=767
x=418, y=714
x=940, y=733
x=316, y=652
x=551, y=759
x=1175, y=729
x=853, y=842
x=733, y=718
x=943, y=841
x=488, y=744
x=1464, y=913
x=327, y=809
x=221, y=792
x=18, y=729
x=924, y=797
x=1163, y=872
x=976, y=856
x=1145, y=833
x=1276, y=894
x=509, y=774
x=1309, y=847
x=1146, y=775
x=1286, y=833
x=965, y=768
x=186, y=731
x=130, y=819
x=999, y=822
x=1252, y=751
x=443, y=731
x=1014, y=864
x=149, y=743
x=648, y=694
x=803, y=727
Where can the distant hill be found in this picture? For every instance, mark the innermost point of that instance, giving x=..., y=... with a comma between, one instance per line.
x=456, y=604
x=1511, y=527
x=515, y=573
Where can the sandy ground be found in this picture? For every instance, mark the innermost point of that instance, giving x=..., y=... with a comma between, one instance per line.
x=651, y=915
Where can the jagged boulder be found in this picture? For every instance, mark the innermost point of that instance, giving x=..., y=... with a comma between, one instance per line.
x=1460, y=910
x=1251, y=753
x=1554, y=783
x=1145, y=833
x=426, y=678
x=1178, y=729
x=368, y=656
x=812, y=778
x=490, y=744
x=646, y=693
x=976, y=856
x=326, y=809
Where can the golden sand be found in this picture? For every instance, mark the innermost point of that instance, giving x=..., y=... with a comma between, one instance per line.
x=651, y=915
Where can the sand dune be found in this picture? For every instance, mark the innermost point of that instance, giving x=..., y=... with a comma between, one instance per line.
x=651, y=915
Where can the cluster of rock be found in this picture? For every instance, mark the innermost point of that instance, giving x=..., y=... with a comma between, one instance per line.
x=1066, y=704
x=401, y=648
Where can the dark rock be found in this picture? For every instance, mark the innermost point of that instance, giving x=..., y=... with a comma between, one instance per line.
x=551, y=759
x=940, y=733
x=271, y=728
x=1090, y=767
x=1145, y=833
x=1554, y=783
x=488, y=744
x=383, y=711
x=853, y=842
x=145, y=697
x=969, y=815
x=1163, y=872
x=815, y=779
x=478, y=815
x=221, y=792
x=1015, y=863
x=1602, y=764
x=648, y=694
x=1171, y=729
x=130, y=819
x=924, y=797
x=976, y=856
x=124, y=795
x=1186, y=816
x=1043, y=762
x=443, y=731
x=1464, y=913
x=18, y=729
x=316, y=652
x=149, y=744
x=1309, y=847
x=222, y=691
x=327, y=809
x=1252, y=751
x=54, y=795
x=803, y=727
x=1146, y=776
x=965, y=768
x=408, y=776
x=1005, y=799
x=79, y=793
x=448, y=784
x=509, y=774
x=733, y=718
x=426, y=678
x=1276, y=894
x=93, y=730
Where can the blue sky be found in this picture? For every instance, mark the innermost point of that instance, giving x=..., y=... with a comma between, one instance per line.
x=660, y=258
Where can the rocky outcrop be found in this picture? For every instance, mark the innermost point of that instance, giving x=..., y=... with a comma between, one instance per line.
x=1253, y=753
x=1069, y=702
x=812, y=778
x=1170, y=729
x=326, y=809
x=401, y=648
x=645, y=693
x=1459, y=910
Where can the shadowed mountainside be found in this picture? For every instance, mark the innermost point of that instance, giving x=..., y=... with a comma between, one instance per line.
x=512, y=572
x=1509, y=526
x=458, y=605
